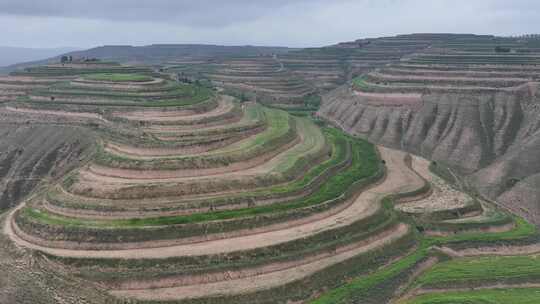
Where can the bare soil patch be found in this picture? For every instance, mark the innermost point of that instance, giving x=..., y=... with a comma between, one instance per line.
x=56, y=113
x=443, y=196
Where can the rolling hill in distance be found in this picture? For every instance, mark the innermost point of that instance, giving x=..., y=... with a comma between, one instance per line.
x=13, y=55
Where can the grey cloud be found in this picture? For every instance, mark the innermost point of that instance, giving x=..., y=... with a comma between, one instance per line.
x=196, y=13
x=50, y=23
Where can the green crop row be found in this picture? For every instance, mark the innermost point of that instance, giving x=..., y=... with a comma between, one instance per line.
x=483, y=296
x=481, y=270
x=116, y=77
x=360, y=83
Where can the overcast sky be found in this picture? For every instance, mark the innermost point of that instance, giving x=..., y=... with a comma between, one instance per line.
x=296, y=23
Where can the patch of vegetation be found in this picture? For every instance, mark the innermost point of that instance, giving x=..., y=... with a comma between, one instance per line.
x=477, y=271
x=522, y=229
x=111, y=77
x=485, y=296
x=363, y=285
x=360, y=83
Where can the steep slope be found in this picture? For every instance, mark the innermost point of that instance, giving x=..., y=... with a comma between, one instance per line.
x=34, y=153
x=478, y=113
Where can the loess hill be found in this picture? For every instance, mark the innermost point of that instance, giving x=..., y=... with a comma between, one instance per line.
x=138, y=185
x=469, y=103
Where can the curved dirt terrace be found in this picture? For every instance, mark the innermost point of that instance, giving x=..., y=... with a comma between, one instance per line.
x=251, y=87
x=422, y=291
x=170, y=206
x=143, y=114
x=85, y=100
x=116, y=85
x=173, y=132
x=102, y=171
x=475, y=67
x=399, y=179
x=284, y=130
x=497, y=250
x=489, y=214
x=256, y=78
x=461, y=73
x=180, y=148
x=218, y=123
x=194, y=240
x=28, y=79
x=20, y=87
x=253, y=271
x=225, y=105
x=246, y=120
x=228, y=135
x=148, y=93
x=419, y=87
x=88, y=66
x=389, y=99
x=56, y=113
x=8, y=95
x=187, y=205
x=484, y=229
x=263, y=281
x=179, y=111
x=302, y=147
x=382, y=75
x=273, y=167
x=443, y=196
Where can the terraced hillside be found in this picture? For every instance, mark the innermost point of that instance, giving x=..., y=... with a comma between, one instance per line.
x=294, y=80
x=260, y=77
x=178, y=171
x=290, y=79
x=463, y=104
x=183, y=194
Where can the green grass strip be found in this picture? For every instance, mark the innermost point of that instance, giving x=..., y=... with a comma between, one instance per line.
x=485, y=296
x=364, y=284
x=116, y=77
x=522, y=230
x=481, y=269
x=360, y=83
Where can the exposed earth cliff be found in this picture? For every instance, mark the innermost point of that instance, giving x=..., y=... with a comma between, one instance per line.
x=32, y=154
x=491, y=137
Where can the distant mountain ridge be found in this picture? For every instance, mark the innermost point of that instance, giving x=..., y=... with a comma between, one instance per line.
x=159, y=53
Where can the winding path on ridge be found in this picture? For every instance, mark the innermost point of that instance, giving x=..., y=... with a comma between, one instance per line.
x=399, y=179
